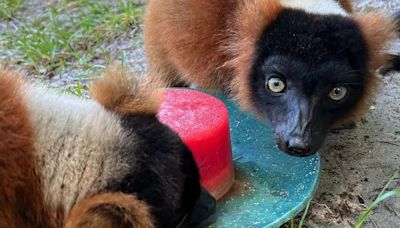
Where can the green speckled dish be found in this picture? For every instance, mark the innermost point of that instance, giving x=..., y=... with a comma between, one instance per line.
x=270, y=186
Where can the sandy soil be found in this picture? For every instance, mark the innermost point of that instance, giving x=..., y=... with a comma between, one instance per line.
x=356, y=163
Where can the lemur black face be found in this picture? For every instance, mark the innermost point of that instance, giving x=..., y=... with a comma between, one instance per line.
x=308, y=73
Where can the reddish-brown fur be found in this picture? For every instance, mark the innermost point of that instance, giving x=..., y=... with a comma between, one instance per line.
x=242, y=43
x=126, y=94
x=110, y=210
x=377, y=31
x=196, y=52
x=21, y=198
x=346, y=4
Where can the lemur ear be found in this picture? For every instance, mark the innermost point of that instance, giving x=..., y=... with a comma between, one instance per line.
x=378, y=30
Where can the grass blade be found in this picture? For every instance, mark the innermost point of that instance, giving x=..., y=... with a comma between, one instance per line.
x=292, y=219
x=381, y=198
x=388, y=183
x=303, y=217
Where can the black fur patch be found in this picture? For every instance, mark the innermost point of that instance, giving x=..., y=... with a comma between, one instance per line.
x=315, y=39
x=166, y=175
x=312, y=54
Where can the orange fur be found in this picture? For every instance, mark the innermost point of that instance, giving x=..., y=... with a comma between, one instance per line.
x=242, y=44
x=127, y=94
x=377, y=31
x=21, y=199
x=110, y=210
x=346, y=4
x=183, y=41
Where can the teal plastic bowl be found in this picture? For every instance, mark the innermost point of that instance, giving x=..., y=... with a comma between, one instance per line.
x=271, y=187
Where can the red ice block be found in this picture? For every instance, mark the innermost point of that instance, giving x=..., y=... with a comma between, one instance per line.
x=202, y=122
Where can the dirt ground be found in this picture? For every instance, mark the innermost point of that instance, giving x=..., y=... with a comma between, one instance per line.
x=356, y=163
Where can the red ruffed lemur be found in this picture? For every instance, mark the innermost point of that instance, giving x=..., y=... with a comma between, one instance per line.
x=70, y=162
x=304, y=65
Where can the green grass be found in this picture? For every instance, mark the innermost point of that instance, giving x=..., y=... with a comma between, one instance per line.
x=71, y=33
x=302, y=219
x=374, y=204
x=79, y=90
x=9, y=8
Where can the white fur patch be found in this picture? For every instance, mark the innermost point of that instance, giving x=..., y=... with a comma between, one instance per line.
x=316, y=6
x=77, y=143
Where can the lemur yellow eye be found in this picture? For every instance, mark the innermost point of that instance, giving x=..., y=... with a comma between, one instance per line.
x=338, y=93
x=276, y=85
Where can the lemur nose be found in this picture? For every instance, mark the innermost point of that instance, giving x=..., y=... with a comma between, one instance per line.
x=298, y=147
